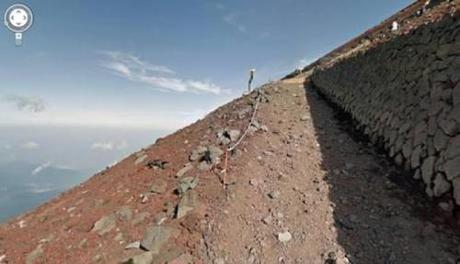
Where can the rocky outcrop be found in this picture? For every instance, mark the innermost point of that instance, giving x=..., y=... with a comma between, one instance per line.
x=405, y=95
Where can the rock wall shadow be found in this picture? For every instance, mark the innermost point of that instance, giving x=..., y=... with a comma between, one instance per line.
x=380, y=214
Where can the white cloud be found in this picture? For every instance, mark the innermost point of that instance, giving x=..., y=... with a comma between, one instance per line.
x=156, y=76
x=30, y=145
x=41, y=167
x=109, y=145
x=27, y=103
x=233, y=20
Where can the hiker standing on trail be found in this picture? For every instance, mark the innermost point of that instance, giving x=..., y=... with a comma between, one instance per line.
x=251, y=78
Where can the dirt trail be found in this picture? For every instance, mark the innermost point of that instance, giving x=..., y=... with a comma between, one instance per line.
x=336, y=197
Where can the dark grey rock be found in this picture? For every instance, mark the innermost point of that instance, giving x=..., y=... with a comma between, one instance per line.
x=105, y=224
x=452, y=168
x=274, y=194
x=134, y=245
x=156, y=237
x=198, y=153
x=440, y=140
x=440, y=185
x=428, y=169
x=157, y=164
x=159, y=187
x=188, y=202
x=184, y=170
x=125, y=214
x=453, y=148
x=36, y=256
x=456, y=185
x=144, y=258
x=186, y=184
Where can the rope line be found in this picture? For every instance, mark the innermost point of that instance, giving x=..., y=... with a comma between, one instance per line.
x=230, y=149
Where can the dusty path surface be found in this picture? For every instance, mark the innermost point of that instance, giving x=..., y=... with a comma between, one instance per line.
x=301, y=190
x=335, y=196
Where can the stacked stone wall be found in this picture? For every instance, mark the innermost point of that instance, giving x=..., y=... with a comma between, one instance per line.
x=405, y=95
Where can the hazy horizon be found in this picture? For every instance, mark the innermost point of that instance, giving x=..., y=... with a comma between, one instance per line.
x=39, y=162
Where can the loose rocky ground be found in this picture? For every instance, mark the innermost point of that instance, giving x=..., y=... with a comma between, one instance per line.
x=299, y=189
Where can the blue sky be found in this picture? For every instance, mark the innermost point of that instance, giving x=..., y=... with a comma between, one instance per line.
x=162, y=64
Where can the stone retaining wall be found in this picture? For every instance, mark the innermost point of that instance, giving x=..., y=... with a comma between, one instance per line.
x=405, y=94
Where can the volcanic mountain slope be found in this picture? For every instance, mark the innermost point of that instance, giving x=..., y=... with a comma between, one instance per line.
x=302, y=187
x=299, y=190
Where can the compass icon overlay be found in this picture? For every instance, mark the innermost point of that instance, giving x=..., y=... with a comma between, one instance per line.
x=18, y=18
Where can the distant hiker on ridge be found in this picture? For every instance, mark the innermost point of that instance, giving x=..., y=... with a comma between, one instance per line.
x=395, y=26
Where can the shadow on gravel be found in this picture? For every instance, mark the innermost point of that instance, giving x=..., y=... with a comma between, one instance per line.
x=381, y=215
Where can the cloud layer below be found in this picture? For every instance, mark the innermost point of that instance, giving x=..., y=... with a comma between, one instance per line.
x=27, y=103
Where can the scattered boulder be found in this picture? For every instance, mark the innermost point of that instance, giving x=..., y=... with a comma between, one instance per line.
x=83, y=244
x=284, y=237
x=198, y=153
x=234, y=134
x=134, y=245
x=186, y=184
x=36, y=256
x=184, y=170
x=274, y=194
x=139, y=218
x=225, y=137
x=119, y=237
x=141, y=156
x=105, y=224
x=160, y=218
x=22, y=223
x=159, y=187
x=206, y=156
x=145, y=197
x=155, y=237
x=245, y=112
x=214, y=153
x=254, y=127
x=188, y=202
x=157, y=164
x=219, y=261
x=331, y=258
x=267, y=220
x=125, y=214
x=144, y=258
x=204, y=166
x=97, y=259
